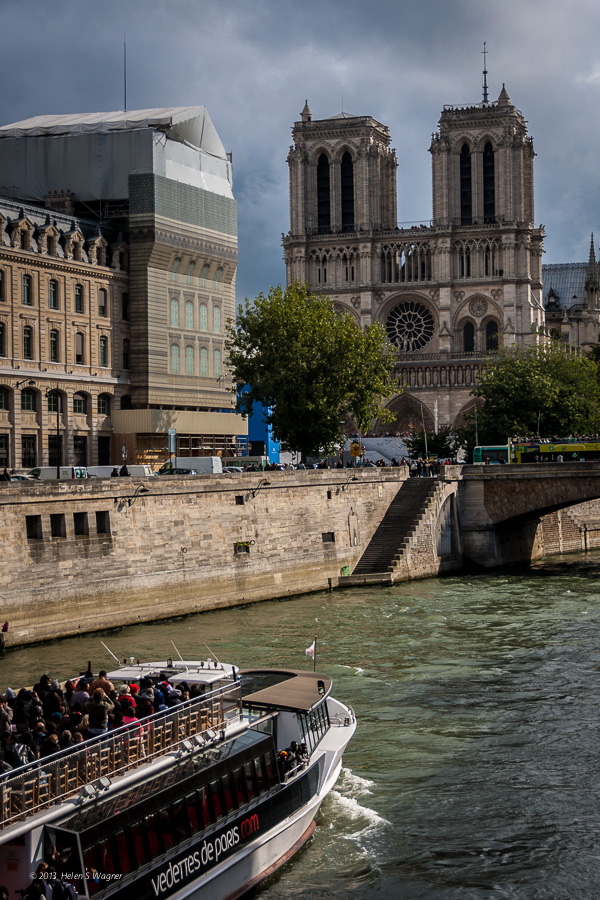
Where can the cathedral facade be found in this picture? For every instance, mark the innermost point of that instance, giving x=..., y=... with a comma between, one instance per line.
x=446, y=292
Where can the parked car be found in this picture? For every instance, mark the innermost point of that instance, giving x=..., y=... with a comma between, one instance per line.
x=177, y=471
x=22, y=478
x=232, y=469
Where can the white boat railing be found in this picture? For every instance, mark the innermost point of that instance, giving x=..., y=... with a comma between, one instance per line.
x=64, y=775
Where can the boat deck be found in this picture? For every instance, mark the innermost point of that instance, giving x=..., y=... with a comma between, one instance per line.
x=89, y=768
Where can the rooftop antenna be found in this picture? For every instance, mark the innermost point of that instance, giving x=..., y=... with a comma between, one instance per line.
x=485, y=87
x=177, y=651
x=212, y=654
x=125, y=71
x=111, y=653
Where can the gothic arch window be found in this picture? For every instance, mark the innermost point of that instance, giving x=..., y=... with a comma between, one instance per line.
x=323, y=198
x=54, y=346
x=218, y=278
x=175, y=359
x=217, y=363
x=466, y=192
x=469, y=337
x=491, y=336
x=53, y=294
x=203, y=361
x=190, y=271
x=204, y=275
x=175, y=269
x=189, y=360
x=410, y=326
x=465, y=261
x=489, y=185
x=217, y=319
x=347, y=183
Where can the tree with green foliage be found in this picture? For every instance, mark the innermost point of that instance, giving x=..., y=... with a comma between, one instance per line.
x=308, y=366
x=440, y=444
x=549, y=390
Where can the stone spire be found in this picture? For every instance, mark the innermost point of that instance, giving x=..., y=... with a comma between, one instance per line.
x=503, y=98
x=592, y=281
x=306, y=112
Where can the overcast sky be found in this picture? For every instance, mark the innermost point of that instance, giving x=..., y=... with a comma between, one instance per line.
x=253, y=63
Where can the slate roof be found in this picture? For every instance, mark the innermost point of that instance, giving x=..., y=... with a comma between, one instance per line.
x=567, y=280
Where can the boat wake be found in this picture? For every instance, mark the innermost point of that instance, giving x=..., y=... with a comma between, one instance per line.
x=345, y=801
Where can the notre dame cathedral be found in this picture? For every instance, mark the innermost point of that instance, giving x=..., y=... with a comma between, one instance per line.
x=446, y=292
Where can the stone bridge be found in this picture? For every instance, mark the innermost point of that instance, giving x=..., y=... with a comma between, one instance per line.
x=500, y=507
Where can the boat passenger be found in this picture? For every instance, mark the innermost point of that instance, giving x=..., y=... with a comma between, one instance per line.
x=303, y=757
x=97, y=709
x=282, y=763
x=43, y=685
x=101, y=682
x=81, y=695
x=126, y=697
x=6, y=715
x=50, y=745
x=16, y=753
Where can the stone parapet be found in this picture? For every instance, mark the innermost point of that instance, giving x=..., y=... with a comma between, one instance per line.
x=84, y=556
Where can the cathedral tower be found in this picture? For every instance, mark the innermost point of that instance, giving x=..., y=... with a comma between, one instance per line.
x=447, y=291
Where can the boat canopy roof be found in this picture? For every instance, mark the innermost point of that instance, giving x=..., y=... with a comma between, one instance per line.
x=284, y=689
x=193, y=671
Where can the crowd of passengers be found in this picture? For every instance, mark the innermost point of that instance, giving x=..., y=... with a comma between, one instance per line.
x=36, y=723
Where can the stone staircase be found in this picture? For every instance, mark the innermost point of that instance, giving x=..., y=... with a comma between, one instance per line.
x=394, y=533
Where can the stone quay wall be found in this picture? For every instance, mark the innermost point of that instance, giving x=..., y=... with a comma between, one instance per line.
x=83, y=556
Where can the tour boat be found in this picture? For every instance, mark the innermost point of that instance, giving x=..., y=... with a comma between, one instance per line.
x=196, y=801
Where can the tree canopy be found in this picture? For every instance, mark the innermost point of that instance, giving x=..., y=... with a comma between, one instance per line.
x=547, y=390
x=439, y=444
x=308, y=366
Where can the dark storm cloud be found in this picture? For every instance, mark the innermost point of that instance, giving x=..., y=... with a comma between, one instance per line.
x=253, y=64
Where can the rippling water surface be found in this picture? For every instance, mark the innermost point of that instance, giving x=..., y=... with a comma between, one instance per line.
x=474, y=770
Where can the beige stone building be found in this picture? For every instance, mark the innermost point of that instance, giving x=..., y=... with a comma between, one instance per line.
x=447, y=291
x=118, y=257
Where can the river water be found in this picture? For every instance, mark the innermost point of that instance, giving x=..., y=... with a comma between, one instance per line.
x=473, y=774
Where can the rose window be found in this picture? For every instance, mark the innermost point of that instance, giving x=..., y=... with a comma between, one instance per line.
x=478, y=307
x=410, y=326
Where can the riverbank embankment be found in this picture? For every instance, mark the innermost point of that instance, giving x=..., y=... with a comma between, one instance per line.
x=85, y=555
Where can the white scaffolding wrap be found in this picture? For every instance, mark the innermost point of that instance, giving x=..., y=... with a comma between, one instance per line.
x=93, y=154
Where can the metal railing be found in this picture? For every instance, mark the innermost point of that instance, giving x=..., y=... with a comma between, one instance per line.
x=56, y=778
